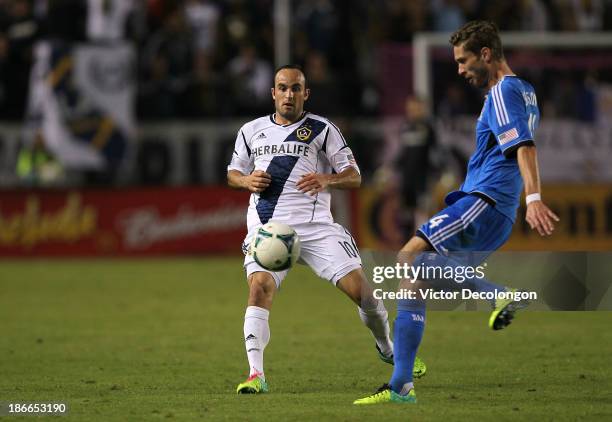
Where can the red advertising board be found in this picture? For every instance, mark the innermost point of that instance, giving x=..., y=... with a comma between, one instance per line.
x=122, y=221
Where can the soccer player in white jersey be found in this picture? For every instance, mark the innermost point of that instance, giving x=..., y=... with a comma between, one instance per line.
x=288, y=161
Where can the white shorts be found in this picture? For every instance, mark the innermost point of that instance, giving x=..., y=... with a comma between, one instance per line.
x=327, y=248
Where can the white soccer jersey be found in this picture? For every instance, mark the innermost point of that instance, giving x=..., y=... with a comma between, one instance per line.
x=106, y=19
x=287, y=152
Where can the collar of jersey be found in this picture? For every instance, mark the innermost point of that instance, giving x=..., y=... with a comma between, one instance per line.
x=501, y=80
x=304, y=113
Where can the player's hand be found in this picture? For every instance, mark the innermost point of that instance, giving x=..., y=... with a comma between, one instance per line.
x=257, y=181
x=313, y=183
x=541, y=218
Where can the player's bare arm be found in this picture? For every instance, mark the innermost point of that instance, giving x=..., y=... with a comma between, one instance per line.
x=255, y=182
x=313, y=183
x=539, y=216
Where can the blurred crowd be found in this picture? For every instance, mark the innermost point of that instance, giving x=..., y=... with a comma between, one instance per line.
x=214, y=58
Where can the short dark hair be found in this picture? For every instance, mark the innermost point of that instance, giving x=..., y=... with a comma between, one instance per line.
x=289, y=66
x=475, y=35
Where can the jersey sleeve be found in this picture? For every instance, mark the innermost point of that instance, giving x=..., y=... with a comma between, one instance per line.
x=242, y=158
x=510, y=119
x=337, y=150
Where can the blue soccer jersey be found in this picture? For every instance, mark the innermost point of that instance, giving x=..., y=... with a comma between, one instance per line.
x=508, y=120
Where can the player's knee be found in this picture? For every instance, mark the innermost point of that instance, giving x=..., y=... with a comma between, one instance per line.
x=355, y=286
x=261, y=286
x=411, y=250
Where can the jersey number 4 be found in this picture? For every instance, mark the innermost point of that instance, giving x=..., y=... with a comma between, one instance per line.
x=437, y=220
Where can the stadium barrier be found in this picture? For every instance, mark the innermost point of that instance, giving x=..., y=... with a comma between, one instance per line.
x=585, y=212
x=211, y=220
x=186, y=153
x=133, y=222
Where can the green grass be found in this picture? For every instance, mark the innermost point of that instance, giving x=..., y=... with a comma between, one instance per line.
x=162, y=339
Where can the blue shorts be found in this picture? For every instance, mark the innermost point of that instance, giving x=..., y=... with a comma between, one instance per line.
x=470, y=224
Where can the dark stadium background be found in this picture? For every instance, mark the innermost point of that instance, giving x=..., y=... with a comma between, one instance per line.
x=200, y=69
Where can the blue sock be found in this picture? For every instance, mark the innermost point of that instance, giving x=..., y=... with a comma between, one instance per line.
x=407, y=334
x=472, y=282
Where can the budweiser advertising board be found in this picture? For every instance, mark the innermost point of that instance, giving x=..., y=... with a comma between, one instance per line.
x=141, y=221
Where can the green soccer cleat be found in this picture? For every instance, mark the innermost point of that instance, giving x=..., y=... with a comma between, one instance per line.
x=386, y=395
x=253, y=385
x=418, y=370
x=504, y=311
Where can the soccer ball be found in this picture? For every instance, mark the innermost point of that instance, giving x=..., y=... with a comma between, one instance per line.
x=275, y=246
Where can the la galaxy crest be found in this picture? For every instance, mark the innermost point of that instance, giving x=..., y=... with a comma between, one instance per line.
x=307, y=132
x=303, y=133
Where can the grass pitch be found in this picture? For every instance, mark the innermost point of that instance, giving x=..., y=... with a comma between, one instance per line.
x=162, y=339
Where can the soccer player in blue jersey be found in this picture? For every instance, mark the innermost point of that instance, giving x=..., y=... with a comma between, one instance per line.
x=480, y=215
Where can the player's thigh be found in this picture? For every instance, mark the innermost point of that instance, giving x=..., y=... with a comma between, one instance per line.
x=411, y=250
x=490, y=231
x=470, y=230
x=331, y=251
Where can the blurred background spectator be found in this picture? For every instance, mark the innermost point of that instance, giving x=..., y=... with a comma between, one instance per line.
x=185, y=47
x=167, y=71
x=201, y=60
x=18, y=31
x=250, y=77
x=418, y=163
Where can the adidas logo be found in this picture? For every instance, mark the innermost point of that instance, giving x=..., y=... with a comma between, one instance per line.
x=261, y=136
x=419, y=318
x=250, y=337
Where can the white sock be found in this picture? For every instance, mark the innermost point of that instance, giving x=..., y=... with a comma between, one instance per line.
x=406, y=388
x=377, y=320
x=256, y=337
